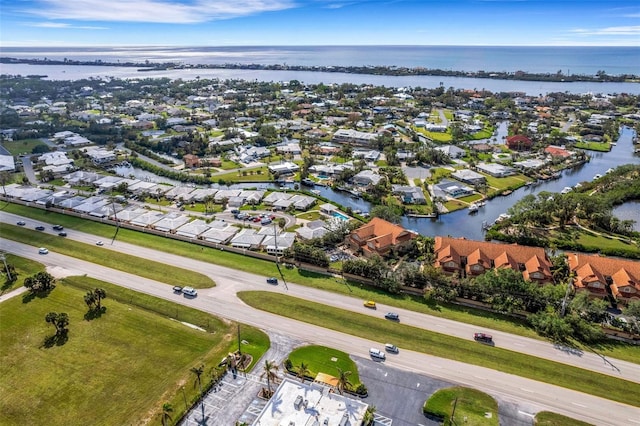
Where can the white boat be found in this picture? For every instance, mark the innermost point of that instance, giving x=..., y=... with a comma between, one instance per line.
x=577, y=185
x=315, y=191
x=598, y=176
x=473, y=208
x=502, y=217
x=566, y=190
x=608, y=171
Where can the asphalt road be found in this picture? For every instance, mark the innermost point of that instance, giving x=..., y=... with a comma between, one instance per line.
x=222, y=301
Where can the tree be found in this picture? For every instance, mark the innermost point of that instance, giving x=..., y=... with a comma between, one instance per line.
x=303, y=371
x=40, y=283
x=270, y=371
x=99, y=295
x=369, y=415
x=198, y=371
x=59, y=321
x=167, y=409
x=93, y=299
x=388, y=213
x=343, y=380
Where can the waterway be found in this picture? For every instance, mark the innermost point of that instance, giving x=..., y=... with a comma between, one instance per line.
x=460, y=223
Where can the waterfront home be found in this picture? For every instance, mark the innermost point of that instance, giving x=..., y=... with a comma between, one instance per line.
x=495, y=170
x=519, y=143
x=469, y=176
x=472, y=258
x=379, y=237
x=409, y=194
x=453, y=189
x=366, y=178
x=452, y=151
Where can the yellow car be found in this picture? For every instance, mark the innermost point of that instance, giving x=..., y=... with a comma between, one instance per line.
x=370, y=304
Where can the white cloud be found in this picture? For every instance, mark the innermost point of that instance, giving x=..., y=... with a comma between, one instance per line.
x=64, y=26
x=155, y=11
x=609, y=31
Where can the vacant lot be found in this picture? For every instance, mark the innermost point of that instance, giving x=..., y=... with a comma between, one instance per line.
x=116, y=369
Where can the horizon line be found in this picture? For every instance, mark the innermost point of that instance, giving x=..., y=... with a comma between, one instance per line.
x=311, y=45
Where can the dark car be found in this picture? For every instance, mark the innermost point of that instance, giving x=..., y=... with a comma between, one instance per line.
x=21, y=223
x=62, y=234
x=272, y=280
x=58, y=227
x=39, y=228
x=481, y=337
x=392, y=316
x=177, y=289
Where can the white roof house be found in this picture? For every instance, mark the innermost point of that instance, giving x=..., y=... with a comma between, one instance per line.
x=248, y=239
x=170, y=222
x=367, y=177
x=277, y=244
x=127, y=215
x=193, y=229
x=148, y=218
x=219, y=234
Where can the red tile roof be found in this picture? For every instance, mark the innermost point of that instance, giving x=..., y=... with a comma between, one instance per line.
x=619, y=273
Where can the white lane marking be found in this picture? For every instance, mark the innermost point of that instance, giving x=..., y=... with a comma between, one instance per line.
x=526, y=414
x=579, y=405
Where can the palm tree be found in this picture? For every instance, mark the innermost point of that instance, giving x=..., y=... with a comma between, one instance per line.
x=198, y=372
x=90, y=299
x=343, y=380
x=270, y=372
x=166, y=416
x=99, y=294
x=303, y=371
x=368, y=418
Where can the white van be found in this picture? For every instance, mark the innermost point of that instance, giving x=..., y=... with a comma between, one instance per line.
x=190, y=291
x=376, y=353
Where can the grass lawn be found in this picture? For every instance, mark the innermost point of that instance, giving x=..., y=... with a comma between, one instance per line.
x=453, y=205
x=320, y=359
x=24, y=146
x=599, y=242
x=24, y=268
x=547, y=418
x=122, y=366
x=472, y=407
x=246, y=175
x=123, y=262
x=434, y=136
x=511, y=182
x=442, y=345
x=594, y=146
x=312, y=215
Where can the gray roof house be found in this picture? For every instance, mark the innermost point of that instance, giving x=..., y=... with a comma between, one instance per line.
x=409, y=194
x=367, y=177
x=148, y=218
x=247, y=239
x=495, y=170
x=171, y=222
x=277, y=244
x=468, y=176
x=193, y=229
x=127, y=215
x=219, y=232
x=452, y=151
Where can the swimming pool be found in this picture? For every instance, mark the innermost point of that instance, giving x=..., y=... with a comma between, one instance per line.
x=339, y=215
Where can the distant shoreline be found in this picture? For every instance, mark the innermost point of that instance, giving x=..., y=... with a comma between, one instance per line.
x=601, y=76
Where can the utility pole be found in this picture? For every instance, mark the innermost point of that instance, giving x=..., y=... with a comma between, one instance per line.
x=239, y=349
x=6, y=267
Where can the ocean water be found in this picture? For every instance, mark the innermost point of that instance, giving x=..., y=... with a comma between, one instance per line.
x=568, y=60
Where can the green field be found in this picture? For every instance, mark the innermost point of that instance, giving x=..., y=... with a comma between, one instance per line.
x=116, y=369
x=320, y=359
x=546, y=418
x=24, y=146
x=463, y=406
x=442, y=345
x=24, y=268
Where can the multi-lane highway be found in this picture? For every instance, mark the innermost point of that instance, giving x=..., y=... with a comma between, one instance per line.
x=222, y=301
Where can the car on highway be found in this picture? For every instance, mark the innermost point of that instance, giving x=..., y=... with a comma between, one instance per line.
x=21, y=223
x=272, y=280
x=377, y=354
x=62, y=234
x=189, y=291
x=39, y=228
x=58, y=227
x=370, y=304
x=391, y=348
x=43, y=250
x=483, y=338
x=99, y=243
x=177, y=289
x=392, y=316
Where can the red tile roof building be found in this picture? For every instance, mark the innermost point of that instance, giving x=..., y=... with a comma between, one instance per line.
x=472, y=258
x=600, y=275
x=519, y=142
x=379, y=237
x=556, y=151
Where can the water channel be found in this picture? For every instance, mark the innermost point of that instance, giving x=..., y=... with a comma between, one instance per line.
x=461, y=223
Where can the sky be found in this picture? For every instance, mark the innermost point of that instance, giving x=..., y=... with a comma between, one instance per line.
x=319, y=22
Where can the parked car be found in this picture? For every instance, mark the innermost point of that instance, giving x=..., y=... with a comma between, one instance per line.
x=482, y=337
x=39, y=228
x=370, y=304
x=272, y=280
x=189, y=291
x=43, y=250
x=392, y=316
x=62, y=234
x=21, y=223
x=265, y=221
x=177, y=289
x=58, y=227
x=391, y=348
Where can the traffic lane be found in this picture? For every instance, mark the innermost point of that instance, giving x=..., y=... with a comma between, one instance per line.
x=230, y=281
x=574, y=404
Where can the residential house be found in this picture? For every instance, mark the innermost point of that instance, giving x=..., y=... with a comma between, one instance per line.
x=409, y=194
x=191, y=161
x=453, y=189
x=380, y=237
x=354, y=137
x=602, y=276
x=472, y=258
x=495, y=170
x=519, y=143
x=452, y=151
x=367, y=178
x=558, y=151
x=469, y=176
x=286, y=168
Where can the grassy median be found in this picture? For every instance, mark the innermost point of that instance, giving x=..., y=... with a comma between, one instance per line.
x=441, y=345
